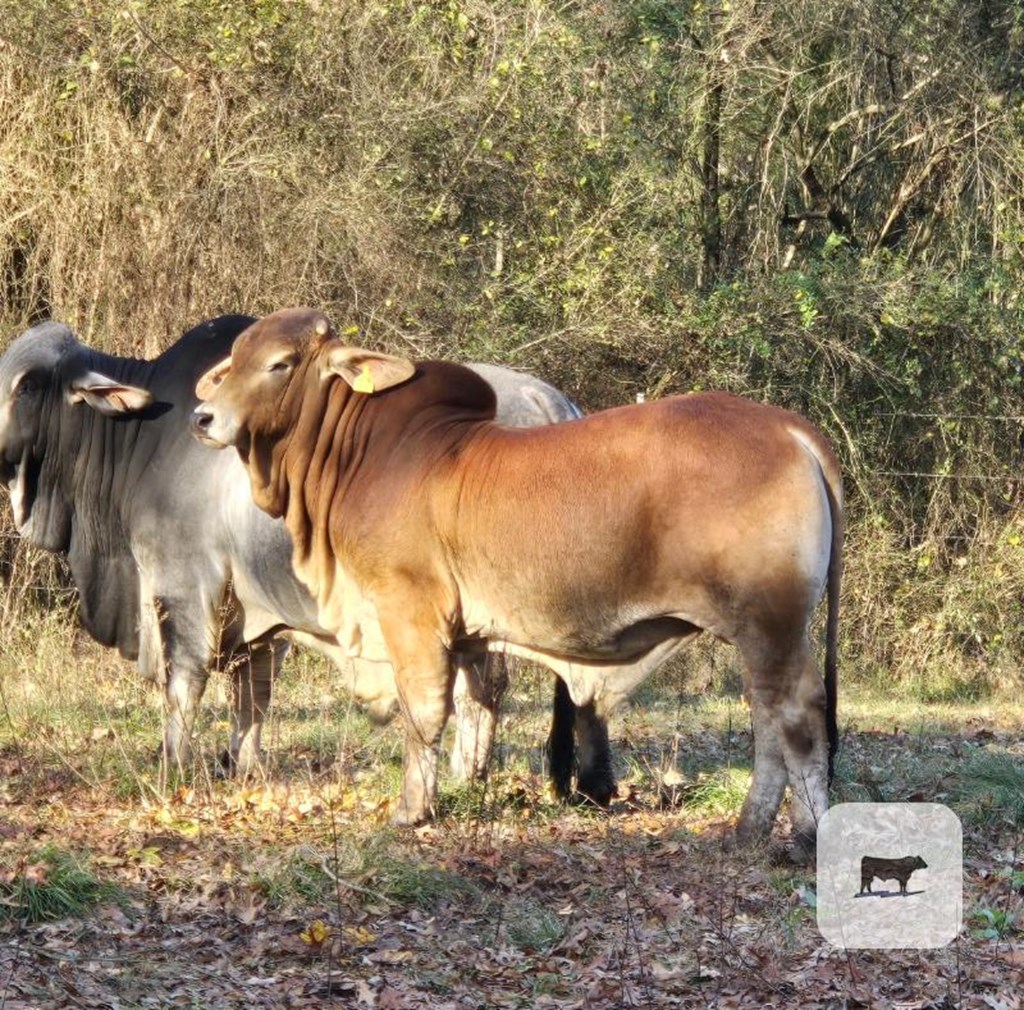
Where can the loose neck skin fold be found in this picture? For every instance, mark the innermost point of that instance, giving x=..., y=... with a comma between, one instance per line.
x=297, y=474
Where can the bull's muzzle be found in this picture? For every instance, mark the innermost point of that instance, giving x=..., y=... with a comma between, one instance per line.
x=201, y=424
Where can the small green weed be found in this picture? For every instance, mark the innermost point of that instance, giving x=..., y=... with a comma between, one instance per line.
x=420, y=885
x=993, y=924
x=298, y=878
x=1015, y=878
x=992, y=785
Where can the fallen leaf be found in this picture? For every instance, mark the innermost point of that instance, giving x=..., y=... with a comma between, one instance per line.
x=316, y=933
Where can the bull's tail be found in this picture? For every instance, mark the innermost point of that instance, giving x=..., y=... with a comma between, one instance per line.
x=561, y=746
x=835, y=576
x=834, y=492
x=828, y=466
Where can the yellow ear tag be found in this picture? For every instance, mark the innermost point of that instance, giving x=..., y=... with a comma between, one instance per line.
x=364, y=381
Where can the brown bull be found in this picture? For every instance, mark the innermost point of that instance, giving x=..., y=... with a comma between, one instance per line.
x=597, y=548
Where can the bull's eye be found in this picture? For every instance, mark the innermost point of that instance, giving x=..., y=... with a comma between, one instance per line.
x=27, y=386
x=280, y=366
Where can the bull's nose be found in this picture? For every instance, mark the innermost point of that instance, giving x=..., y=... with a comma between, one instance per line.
x=201, y=421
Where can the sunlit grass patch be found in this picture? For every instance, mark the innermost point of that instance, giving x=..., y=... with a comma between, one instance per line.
x=50, y=884
x=991, y=788
x=421, y=885
x=532, y=927
x=884, y=706
x=299, y=877
x=391, y=871
x=503, y=794
x=717, y=794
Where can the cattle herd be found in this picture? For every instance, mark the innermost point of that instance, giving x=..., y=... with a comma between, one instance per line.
x=408, y=519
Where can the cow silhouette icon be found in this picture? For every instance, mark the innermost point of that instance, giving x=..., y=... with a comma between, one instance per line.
x=872, y=867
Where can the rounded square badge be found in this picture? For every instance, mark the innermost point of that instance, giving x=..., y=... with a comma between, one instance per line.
x=890, y=875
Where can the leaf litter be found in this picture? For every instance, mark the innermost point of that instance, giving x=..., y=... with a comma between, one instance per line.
x=295, y=893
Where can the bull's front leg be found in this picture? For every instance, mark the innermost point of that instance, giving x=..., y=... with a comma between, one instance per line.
x=595, y=780
x=178, y=639
x=480, y=685
x=424, y=673
x=185, y=685
x=252, y=675
x=174, y=652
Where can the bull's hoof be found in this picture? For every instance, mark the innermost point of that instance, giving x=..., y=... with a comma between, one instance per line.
x=165, y=758
x=231, y=766
x=798, y=850
x=410, y=814
x=803, y=848
x=580, y=801
x=381, y=713
x=584, y=798
x=750, y=839
x=466, y=771
x=598, y=791
x=403, y=817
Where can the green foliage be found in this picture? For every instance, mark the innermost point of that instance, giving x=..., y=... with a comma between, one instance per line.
x=294, y=878
x=51, y=884
x=412, y=881
x=421, y=886
x=718, y=794
x=531, y=926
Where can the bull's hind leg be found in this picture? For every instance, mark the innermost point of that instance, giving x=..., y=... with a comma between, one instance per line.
x=595, y=780
x=252, y=676
x=578, y=742
x=480, y=684
x=787, y=700
x=805, y=744
x=768, y=784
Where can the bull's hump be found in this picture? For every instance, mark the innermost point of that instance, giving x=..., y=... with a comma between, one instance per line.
x=204, y=344
x=446, y=385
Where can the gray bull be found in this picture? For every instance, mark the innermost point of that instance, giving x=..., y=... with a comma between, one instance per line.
x=173, y=563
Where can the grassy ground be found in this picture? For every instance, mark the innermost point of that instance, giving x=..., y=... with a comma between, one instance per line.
x=120, y=889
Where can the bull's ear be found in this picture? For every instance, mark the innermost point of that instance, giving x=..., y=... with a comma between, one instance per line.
x=366, y=371
x=107, y=395
x=209, y=381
